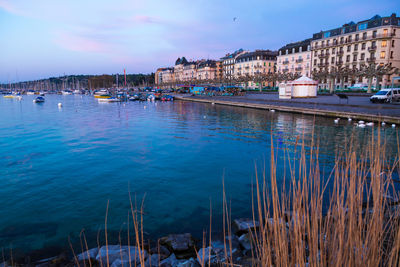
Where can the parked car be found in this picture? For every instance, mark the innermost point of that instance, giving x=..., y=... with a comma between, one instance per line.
x=385, y=95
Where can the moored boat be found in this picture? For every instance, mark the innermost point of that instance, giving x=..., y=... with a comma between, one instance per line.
x=109, y=100
x=102, y=94
x=39, y=99
x=66, y=92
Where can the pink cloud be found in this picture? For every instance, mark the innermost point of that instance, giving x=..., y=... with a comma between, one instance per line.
x=80, y=44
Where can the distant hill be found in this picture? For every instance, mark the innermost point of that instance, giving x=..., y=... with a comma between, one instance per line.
x=82, y=82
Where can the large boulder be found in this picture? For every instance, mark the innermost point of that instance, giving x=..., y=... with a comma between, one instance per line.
x=171, y=261
x=162, y=251
x=153, y=261
x=189, y=263
x=89, y=254
x=182, y=245
x=243, y=226
x=118, y=255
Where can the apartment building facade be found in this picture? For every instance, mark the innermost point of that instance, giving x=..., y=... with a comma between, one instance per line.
x=374, y=41
x=253, y=63
x=206, y=70
x=295, y=58
x=228, y=64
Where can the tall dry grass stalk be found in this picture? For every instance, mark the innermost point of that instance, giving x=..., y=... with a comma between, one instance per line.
x=358, y=227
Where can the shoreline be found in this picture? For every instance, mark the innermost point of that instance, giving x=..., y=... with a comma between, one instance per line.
x=280, y=106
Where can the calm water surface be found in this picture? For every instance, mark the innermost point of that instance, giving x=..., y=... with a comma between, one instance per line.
x=59, y=167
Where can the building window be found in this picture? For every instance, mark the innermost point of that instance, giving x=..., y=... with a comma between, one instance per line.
x=355, y=47
x=384, y=43
x=315, y=53
x=362, y=26
x=315, y=62
x=355, y=57
x=374, y=34
x=349, y=38
x=362, y=57
x=348, y=48
x=332, y=60
x=348, y=58
x=364, y=35
x=383, y=54
x=392, y=43
x=363, y=45
x=357, y=36
x=385, y=32
x=391, y=54
x=333, y=50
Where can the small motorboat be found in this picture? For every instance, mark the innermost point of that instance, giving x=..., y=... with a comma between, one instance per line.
x=9, y=96
x=39, y=99
x=134, y=98
x=167, y=98
x=151, y=97
x=109, y=100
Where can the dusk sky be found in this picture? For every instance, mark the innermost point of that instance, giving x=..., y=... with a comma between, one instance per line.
x=44, y=38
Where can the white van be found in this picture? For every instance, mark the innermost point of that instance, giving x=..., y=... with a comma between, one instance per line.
x=385, y=95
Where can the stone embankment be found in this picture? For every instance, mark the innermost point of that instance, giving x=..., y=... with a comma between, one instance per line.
x=174, y=250
x=388, y=113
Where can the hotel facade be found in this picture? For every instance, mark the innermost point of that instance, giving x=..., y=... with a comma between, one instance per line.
x=354, y=45
x=253, y=63
x=295, y=58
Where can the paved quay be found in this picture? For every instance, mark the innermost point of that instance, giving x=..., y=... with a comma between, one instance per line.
x=358, y=107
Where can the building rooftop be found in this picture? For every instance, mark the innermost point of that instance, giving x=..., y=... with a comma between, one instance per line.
x=267, y=54
x=303, y=44
x=375, y=21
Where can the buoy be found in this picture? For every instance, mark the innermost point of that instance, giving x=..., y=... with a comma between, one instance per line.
x=361, y=125
x=393, y=125
x=349, y=119
x=59, y=105
x=361, y=122
x=212, y=103
x=272, y=110
x=336, y=120
x=370, y=124
x=383, y=123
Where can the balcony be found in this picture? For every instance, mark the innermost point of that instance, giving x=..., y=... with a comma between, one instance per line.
x=323, y=55
x=372, y=48
x=298, y=69
x=285, y=62
x=285, y=70
x=299, y=60
x=339, y=53
x=321, y=65
x=371, y=59
x=340, y=62
x=366, y=38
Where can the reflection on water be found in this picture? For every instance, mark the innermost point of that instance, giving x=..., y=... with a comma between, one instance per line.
x=60, y=166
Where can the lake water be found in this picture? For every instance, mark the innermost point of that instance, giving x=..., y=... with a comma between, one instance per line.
x=60, y=166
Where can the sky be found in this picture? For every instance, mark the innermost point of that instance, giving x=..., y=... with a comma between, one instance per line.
x=48, y=38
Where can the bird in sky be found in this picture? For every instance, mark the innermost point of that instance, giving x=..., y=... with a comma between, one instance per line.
x=235, y=18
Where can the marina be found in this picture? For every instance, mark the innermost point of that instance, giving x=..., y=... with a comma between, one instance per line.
x=61, y=174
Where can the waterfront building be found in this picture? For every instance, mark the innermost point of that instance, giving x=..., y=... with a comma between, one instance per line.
x=206, y=70
x=295, y=58
x=178, y=68
x=228, y=64
x=373, y=41
x=219, y=70
x=253, y=63
x=189, y=71
x=164, y=76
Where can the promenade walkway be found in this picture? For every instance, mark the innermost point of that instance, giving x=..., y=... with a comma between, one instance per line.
x=358, y=107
